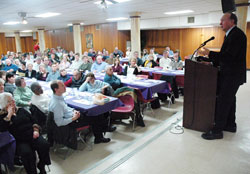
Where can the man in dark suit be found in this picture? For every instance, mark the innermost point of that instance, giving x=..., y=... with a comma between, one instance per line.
x=231, y=61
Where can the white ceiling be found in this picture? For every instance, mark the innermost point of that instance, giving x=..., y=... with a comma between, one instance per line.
x=89, y=13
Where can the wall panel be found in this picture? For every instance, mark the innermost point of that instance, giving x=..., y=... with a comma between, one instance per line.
x=10, y=44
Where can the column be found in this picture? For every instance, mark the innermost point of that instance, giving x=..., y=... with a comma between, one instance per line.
x=18, y=42
x=135, y=32
x=77, y=38
x=41, y=39
x=241, y=12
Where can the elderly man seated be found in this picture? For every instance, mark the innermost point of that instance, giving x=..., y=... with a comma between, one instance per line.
x=64, y=115
x=95, y=86
x=9, y=66
x=76, y=81
x=54, y=74
x=86, y=65
x=111, y=79
x=22, y=94
x=165, y=62
x=99, y=66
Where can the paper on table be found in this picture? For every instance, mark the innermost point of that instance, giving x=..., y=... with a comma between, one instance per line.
x=83, y=101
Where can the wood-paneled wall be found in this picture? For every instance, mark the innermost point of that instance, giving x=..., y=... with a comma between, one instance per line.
x=9, y=44
x=61, y=37
x=186, y=39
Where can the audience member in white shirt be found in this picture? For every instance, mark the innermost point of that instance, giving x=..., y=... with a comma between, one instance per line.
x=77, y=62
x=39, y=99
x=37, y=64
x=165, y=61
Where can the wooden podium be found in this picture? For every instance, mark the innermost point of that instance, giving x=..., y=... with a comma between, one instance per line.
x=199, y=96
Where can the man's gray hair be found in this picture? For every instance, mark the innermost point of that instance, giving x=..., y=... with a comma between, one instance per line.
x=107, y=67
x=4, y=99
x=18, y=81
x=35, y=86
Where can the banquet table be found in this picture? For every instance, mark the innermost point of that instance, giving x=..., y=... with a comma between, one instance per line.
x=82, y=101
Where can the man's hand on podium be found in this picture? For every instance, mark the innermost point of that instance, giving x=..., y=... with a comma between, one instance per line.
x=204, y=51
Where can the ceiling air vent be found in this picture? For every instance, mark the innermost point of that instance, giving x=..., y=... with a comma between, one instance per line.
x=98, y=27
x=190, y=20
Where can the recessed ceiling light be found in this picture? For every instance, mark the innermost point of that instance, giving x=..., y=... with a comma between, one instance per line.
x=26, y=31
x=24, y=21
x=179, y=12
x=117, y=19
x=11, y=23
x=81, y=23
x=46, y=15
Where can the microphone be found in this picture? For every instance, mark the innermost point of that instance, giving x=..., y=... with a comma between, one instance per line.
x=212, y=38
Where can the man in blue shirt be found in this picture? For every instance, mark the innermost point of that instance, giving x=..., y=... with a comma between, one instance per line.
x=54, y=74
x=9, y=67
x=111, y=79
x=64, y=115
x=99, y=66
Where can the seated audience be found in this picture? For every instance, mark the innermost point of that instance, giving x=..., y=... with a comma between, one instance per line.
x=170, y=52
x=37, y=64
x=64, y=62
x=152, y=52
x=42, y=74
x=77, y=62
x=76, y=81
x=54, y=74
x=26, y=132
x=86, y=65
x=9, y=84
x=22, y=94
x=1, y=64
x=144, y=55
x=39, y=99
x=117, y=68
x=29, y=59
x=10, y=67
x=99, y=66
x=105, y=55
x=94, y=86
x=110, y=60
x=177, y=64
x=150, y=63
x=139, y=61
x=47, y=64
x=111, y=79
x=30, y=73
x=117, y=53
x=132, y=69
x=54, y=59
x=17, y=63
x=71, y=56
x=22, y=70
x=128, y=52
x=64, y=115
x=63, y=75
x=165, y=61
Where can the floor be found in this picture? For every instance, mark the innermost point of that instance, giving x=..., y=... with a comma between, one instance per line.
x=162, y=147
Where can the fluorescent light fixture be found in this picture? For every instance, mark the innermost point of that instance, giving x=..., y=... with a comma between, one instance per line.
x=117, y=19
x=46, y=15
x=11, y=23
x=179, y=12
x=81, y=23
x=26, y=31
x=121, y=1
x=200, y=26
x=70, y=24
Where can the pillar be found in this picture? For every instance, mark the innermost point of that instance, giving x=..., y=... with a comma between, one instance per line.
x=135, y=32
x=77, y=38
x=18, y=42
x=41, y=39
x=241, y=12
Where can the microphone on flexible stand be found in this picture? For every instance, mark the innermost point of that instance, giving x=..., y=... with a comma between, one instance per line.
x=202, y=45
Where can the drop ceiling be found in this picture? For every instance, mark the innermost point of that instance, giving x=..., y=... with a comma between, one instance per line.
x=88, y=12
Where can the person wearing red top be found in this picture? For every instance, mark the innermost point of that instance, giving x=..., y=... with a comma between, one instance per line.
x=36, y=47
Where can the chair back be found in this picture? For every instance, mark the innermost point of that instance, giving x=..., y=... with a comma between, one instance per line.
x=127, y=100
x=156, y=76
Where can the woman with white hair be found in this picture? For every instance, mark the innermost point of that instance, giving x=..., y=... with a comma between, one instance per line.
x=21, y=125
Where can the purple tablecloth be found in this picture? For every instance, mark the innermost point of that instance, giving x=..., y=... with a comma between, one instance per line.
x=147, y=86
x=163, y=72
x=7, y=149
